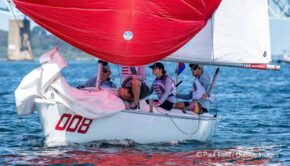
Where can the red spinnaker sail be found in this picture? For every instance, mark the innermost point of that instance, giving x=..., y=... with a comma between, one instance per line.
x=125, y=32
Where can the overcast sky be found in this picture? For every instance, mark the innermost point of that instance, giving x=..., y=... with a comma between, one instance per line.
x=280, y=31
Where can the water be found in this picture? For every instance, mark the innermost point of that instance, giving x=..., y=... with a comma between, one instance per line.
x=254, y=129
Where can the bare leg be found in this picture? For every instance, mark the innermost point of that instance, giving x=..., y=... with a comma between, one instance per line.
x=196, y=107
x=124, y=94
x=136, y=87
x=179, y=105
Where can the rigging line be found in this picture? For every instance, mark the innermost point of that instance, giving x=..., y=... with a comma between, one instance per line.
x=213, y=81
x=209, y=91
x=25, y=40
x=178, y=128
x=216, y=106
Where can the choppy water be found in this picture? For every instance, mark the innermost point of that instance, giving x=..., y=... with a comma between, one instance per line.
x=254, y=128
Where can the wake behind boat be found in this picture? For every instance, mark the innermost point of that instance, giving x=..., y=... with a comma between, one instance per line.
x=218, y=33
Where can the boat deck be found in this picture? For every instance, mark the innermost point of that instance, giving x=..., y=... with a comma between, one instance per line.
x=157, y=111
x=174, y=113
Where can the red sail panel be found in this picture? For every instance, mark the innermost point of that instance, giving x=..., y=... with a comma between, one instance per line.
x=125, y=32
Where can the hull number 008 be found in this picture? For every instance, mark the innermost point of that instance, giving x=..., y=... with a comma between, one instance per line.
x=73, y=123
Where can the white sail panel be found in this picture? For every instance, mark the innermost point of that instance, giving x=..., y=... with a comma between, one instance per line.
x=198, y=48
x=241, y=32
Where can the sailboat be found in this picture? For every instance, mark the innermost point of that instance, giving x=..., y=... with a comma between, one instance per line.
x=285, y=58
x=132, y=33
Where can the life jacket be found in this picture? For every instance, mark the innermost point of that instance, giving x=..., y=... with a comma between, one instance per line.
x=197, y=90
x=159, y=87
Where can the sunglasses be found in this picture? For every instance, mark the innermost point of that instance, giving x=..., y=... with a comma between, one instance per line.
x=105, y=71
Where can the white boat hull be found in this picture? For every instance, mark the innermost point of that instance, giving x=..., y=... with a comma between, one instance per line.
x=62, y=127
x=285, y=59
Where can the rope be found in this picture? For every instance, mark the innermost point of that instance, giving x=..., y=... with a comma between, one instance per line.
x=212, y=85
x=25, y=40
x=178, y=128
x=216, y=106
x=214, y=80
x=210, y=89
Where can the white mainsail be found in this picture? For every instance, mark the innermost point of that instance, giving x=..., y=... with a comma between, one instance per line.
x=241, y=32
x=238, y=34
x=199, y=48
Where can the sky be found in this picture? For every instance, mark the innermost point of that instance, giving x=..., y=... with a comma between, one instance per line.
x=279, y=30
x=280, y=36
